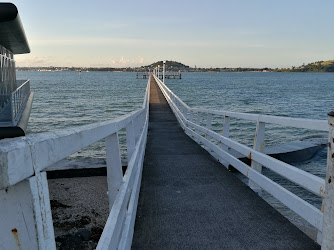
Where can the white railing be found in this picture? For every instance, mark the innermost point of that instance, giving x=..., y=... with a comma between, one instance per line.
x=186, y=117
x=25, y=214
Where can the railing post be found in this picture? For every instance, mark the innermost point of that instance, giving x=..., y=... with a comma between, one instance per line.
x=198, y=118
x=164, y=69
x=114, y=167
x=208, y=123
x=43, y=216
x=226, y=130
x=184, y=111
x=328, y=218
x=25, y=209
x=137, y=126
x=258, y=146
x=191, y=114
x=12, y=108
x=198, y=121
x=130, y=140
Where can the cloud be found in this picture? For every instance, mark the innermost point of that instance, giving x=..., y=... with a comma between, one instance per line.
x=44, y=61
x=127, y=62
x=137, y=43
x=123, y=42
x=32, y=61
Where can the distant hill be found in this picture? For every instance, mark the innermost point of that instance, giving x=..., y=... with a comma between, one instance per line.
x=320, y=66
x=173, y=66
x=170, y=66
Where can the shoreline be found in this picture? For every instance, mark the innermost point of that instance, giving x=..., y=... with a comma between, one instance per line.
x=80, y=210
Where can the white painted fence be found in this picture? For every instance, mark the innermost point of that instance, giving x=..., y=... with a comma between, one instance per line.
x=186, y=117
x=25, y=214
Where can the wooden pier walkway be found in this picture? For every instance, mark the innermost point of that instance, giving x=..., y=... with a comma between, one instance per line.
x=188, y=200
x=169, y=75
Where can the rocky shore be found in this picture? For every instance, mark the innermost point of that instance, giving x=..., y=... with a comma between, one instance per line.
x=79, y=211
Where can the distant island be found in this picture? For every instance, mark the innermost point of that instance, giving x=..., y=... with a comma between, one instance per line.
x=172, y=66
x=320, y=66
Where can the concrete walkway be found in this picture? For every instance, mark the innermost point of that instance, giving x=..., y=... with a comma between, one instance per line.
x=190, y=201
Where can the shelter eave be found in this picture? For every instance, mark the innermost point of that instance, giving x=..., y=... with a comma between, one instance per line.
x=12, y=35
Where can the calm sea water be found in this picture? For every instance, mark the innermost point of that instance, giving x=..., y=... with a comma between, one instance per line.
x=304, y=95
x=66, y=99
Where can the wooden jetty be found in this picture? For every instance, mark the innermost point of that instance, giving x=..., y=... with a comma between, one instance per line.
x=188, y=201
x=168, y=75
x=177, y=191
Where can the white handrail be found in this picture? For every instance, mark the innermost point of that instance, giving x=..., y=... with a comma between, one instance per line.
x=23, y=182
x=320, y=125
x=306, y=180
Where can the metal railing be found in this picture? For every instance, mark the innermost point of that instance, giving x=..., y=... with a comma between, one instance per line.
x=24, y=196
x=13, y=104
x=19, y=99
x=7, y=71
x=211, y=141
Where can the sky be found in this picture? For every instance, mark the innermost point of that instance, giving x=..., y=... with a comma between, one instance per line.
x=210, y=33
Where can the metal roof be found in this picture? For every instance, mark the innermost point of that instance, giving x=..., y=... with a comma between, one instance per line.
x=12, y=35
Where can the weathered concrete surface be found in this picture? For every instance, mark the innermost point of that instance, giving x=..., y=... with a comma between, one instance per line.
x=189, y=201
